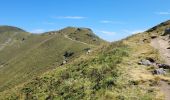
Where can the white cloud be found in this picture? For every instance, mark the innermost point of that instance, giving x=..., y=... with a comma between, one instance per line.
x=105, y=21
x=110, y=22
x=38, y=31
x=70, y=17
x=133, y=31
x=162, y=13
x=108, y=32
x=48, y=23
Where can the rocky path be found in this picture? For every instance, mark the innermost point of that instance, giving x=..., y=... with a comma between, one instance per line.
x=161, y=45
x=165, y=88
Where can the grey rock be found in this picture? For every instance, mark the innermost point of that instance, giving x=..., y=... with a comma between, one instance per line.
x=165, y=66
x=153, y=36
x=159, y=71
x=64, y=62
x=145, y=62
x=166, y=32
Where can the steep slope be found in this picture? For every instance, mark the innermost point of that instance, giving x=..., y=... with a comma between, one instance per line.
x=105, y=74
x=110, y=72
x=81, y=79
x=4, y=29
x=82, y=34
x=161, y=42
x=160, y=28
x=158, y=38
x=34, y=54
x=162, y=45
x=9, y=34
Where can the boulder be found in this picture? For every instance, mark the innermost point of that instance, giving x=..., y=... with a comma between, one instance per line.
x=159, y=71
x=64, y=62
x=150, y=59
x=68, y=54
x=145, y=62
x=153, y=36
x=165, y=66
x=166, y=32
x=88, y=52
x=23, y=39
x=145, y=40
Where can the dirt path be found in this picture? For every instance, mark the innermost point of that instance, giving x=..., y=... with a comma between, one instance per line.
x=2, y=46
x=30, y=50
x=8, y=41
x=78, y=41
x=165, y=88
x=161, y=45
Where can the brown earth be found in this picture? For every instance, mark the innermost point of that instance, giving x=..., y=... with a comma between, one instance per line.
x=161, y=44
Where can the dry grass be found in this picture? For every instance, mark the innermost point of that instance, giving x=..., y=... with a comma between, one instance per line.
x=135, y=82
x=139, y=73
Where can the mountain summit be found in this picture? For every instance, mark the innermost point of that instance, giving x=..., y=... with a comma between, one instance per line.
x=10, y=29
x=24, y=55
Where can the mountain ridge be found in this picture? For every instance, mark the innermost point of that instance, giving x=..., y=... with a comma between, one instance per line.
x=110, y=72
x=18, y=55
x=4, y=28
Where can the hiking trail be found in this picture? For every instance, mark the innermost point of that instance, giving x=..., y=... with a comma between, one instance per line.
x=78, y=41
x=165, y=88
x=161, y=45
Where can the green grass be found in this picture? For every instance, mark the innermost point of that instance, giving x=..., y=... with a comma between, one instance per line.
x=100, y=76
x=81, y=80
x=110, y=72
x=21, y=60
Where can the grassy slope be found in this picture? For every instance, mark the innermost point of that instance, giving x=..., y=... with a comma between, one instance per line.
x=7, y=32
x=87, y=34
x=158, y=30
x=109, y=73
x=22, y=60
x=82, y=78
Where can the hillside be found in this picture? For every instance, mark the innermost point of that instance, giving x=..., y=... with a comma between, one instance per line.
x=24, y=55
x=9, y=34
x=111, y=72
x=4, y=29
x=162, y=39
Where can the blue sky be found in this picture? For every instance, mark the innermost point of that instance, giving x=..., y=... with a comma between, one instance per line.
x=110, y=19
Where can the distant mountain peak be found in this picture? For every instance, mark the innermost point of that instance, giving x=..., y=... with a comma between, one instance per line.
x=6, y=28
x=79, y=32
x=78, y=28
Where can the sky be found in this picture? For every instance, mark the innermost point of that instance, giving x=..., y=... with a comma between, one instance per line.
x=110, y=19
